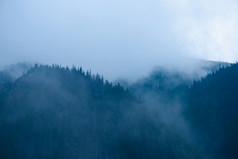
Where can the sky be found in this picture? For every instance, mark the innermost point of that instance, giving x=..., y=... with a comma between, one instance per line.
x=119, y=38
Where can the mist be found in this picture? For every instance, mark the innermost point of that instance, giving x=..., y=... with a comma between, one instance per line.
x=61, y=112
x=118, y=79
x=119, y=39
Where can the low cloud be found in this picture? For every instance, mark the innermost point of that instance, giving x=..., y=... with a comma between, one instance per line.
x=119, y=38
x=208, y=28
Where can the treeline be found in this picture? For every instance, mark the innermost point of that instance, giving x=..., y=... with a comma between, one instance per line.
x=60, y=112
x=212, y=110
x=57, y=112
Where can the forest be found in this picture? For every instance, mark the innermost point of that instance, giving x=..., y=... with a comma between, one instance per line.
x=61, y=112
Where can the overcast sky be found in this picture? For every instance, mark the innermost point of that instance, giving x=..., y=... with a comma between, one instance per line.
x=118, y=38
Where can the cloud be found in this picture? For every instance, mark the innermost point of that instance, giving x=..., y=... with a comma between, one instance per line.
x=117, y=38
x=209, y=28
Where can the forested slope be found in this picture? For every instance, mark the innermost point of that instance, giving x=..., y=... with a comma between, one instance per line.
x=212, y=111
x=57, y=112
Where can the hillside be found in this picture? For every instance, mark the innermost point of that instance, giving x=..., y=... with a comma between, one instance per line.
x=57, y=112
x=213, y=111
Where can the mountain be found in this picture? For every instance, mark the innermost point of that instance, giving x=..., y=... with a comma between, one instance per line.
x=167, y=85
x=57, y=112
x=60, y=112
x=212, y=110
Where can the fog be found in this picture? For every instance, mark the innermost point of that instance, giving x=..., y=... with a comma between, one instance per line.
x=74, y=117
x=119, y=39
x=152, y=48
